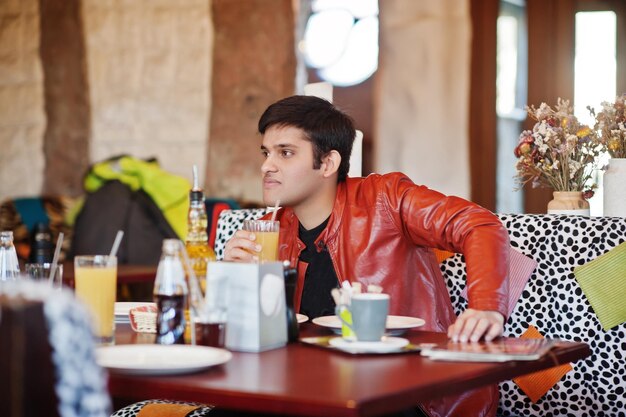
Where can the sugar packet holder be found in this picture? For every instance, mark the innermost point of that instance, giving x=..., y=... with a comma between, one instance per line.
x=143, y=319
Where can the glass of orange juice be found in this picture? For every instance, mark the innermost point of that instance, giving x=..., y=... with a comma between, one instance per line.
x=95, y=281
x=266, y=232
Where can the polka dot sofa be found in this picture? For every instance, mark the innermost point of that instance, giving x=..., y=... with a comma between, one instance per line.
x=552, y=301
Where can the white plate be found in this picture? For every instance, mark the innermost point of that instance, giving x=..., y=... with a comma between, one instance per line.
x=159, y=359
x=302, y=318
x=395, y=324
x=386, y=345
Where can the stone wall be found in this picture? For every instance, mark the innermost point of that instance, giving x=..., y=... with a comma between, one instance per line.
x=66, y=95
x=152, y=90
x=149, y=78
x=22, y=119
x=254, y=65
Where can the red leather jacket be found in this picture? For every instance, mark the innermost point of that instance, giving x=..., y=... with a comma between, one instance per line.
x=381, y=231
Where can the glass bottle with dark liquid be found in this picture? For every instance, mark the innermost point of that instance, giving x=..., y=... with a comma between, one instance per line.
x=170, y=295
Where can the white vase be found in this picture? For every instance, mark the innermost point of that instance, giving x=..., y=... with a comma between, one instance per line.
x=615, y=188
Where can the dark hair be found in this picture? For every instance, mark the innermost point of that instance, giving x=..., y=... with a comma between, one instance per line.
x=325, y=126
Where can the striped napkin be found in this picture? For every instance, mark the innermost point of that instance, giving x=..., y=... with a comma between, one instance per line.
x=536, y=385
x=520, y=270
x=603, y=281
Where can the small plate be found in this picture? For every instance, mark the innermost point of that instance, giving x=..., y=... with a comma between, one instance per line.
x=396, y=325
x=302, y=318
x=160, y=359
x=386, y=345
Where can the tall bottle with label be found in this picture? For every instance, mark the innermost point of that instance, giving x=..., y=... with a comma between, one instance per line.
x=170, y=295
x=41, y=246
x=9, y=265
x=197, y=241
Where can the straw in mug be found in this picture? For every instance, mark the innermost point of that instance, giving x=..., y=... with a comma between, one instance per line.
x=55, y=259
x=116, y=245
x=275, y=210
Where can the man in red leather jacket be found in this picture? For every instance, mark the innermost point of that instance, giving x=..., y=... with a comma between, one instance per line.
x=376, y=230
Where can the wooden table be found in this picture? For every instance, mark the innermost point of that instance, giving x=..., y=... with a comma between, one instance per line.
x=310, y=381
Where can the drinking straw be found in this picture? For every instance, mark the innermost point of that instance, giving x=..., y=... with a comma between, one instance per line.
x=194, y=170
x=55, y=259
x=275, y=210
x=116, y=245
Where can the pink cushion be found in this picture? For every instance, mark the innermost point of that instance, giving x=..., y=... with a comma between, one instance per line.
x=520, y=270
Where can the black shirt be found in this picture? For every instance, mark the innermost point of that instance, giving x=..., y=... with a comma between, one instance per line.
x=320, y=275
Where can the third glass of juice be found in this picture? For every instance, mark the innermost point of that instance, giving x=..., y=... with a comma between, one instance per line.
x=266, y=232
x=95, y=281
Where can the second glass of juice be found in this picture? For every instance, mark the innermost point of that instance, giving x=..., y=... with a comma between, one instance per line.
x=95, y=282
x=266, y=232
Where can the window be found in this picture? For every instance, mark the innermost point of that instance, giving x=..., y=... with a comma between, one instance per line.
x=595, y=62
x=341, y=40
x=595, y=74
x=511, y=95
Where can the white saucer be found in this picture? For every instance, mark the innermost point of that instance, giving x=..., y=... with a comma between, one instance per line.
x=159, y=359
x=386, y=345
x=302, y=318
x=395, y=326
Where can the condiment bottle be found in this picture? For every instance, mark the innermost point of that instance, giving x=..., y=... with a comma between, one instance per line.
x=197, y=241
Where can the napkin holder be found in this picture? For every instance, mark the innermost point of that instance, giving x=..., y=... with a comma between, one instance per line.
x=256, y=318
